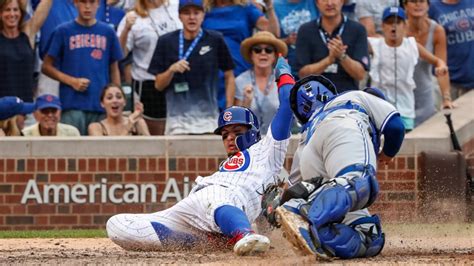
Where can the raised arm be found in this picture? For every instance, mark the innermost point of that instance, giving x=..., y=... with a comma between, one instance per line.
x=283, y=119
x=273, y=23
x=130, y=19
x=37, y=20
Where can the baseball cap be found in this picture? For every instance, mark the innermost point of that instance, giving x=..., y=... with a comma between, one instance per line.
x=393, y=11
x=11, y=106
x=48, y=101
x=186, y=3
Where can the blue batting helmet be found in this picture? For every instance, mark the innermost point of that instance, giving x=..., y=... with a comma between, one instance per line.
x=308, y=94
x=241, y=116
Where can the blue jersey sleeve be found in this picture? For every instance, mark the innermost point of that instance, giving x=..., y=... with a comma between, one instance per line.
x=56, y=45
x=394, y=133
x=283, y=119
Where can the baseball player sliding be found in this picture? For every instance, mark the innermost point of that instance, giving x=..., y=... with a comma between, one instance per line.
x=227, y=202
x=333, y=177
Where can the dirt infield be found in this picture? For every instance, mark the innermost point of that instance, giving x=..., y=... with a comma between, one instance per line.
x=407, y=244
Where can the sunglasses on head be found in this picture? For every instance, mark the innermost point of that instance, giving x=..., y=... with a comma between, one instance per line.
x=258, y=49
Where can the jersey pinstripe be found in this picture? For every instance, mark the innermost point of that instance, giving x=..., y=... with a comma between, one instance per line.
x=240, y=185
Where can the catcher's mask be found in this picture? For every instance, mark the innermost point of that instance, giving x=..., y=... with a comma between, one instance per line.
x=310, y=93
x=243, y=116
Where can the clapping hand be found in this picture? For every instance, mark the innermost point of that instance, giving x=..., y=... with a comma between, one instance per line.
x=336, y=47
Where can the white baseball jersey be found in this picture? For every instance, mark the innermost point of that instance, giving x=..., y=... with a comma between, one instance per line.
x=239, y=182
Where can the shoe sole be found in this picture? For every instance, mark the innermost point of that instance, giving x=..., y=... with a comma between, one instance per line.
x=291, y=224
x=254, y=244
x=293, y=227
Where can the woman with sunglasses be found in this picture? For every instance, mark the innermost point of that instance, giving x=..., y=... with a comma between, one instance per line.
x=432, y=36
x=256, y=88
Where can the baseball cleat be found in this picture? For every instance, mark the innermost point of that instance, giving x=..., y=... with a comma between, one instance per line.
x=296, y=230
x=250, y=244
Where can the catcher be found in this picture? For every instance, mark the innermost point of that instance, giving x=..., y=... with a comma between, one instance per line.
x=333, y=177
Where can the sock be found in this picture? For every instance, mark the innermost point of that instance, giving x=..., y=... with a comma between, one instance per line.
x=232, y=220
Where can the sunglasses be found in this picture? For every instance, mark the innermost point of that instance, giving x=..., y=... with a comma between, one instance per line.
x=258, y=49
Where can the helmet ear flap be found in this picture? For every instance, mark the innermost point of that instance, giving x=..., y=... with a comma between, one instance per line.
x=247, y=139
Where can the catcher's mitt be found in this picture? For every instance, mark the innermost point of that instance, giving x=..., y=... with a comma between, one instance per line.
x=271, y=199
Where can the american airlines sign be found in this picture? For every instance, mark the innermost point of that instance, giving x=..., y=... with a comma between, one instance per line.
x=103, y=192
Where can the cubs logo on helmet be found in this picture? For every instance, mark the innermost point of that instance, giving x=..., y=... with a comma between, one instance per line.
x=227, y=116
x=237, y=163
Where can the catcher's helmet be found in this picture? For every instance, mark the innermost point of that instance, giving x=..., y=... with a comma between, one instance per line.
x=308, y=94
x=243, y=116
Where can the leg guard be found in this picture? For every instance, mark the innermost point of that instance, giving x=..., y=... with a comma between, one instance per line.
x=352, y=241
x=330, y=205
x=364, y=183
x=334, y=199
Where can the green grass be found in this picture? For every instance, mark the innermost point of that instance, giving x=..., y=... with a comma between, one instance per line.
x=79, y=233
x=461, y=229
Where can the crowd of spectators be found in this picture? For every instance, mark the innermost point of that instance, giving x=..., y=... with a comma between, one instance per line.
x=188, y=59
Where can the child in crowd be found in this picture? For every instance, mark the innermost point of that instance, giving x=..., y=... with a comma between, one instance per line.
x=83, y=57
x=393, y=64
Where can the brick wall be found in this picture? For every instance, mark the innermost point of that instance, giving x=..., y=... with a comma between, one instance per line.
x=397, y=200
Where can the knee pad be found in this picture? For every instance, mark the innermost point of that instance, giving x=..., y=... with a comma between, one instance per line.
x=330, y=205
x=364, y=187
